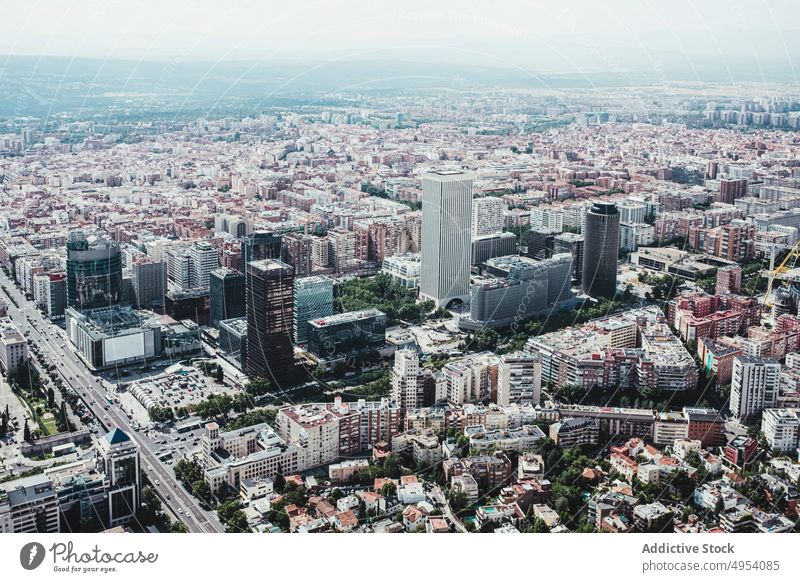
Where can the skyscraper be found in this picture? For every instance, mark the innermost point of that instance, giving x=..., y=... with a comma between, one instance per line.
x=313, y=298
x=227, y=297
x=600, y=251
x=270, y=306
x=94, y=272
x=120, y=459
x=446, y=236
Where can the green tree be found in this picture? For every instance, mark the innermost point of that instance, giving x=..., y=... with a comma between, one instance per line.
x=26, y=432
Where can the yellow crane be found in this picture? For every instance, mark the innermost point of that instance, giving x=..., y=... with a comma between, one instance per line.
x=787, y=264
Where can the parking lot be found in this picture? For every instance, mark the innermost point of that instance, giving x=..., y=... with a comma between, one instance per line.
x=178, y=387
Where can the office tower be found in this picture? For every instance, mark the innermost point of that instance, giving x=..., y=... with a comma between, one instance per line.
x=270, y=306
x=120, y=459
x=313, y=298
x=179, y=268
x=487, y=216
x=405, y=380
x=571, y=243
x=729, y=280
x=600, y=250
x=446, y=236
x=491, y=246
x=541, y=243
x=227, y=294
x=149, y=281
x=204, y=259
x=297, y=252
x=755, y=385
x=335, y=337
x=519, y=380
x=261, y=245
x=94, y=272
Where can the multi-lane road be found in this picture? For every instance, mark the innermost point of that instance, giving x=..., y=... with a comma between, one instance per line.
x=54, y=345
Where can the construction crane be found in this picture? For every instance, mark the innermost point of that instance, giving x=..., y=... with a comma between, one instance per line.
x=785, y=272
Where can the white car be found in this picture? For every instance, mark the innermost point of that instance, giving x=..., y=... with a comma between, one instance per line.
x=157, y=483
x=180, y=510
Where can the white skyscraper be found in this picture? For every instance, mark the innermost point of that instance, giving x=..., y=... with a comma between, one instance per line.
x=446, y=236
x=487, y=216
x=755, y=385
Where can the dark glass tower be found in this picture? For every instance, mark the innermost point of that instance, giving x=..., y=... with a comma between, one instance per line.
x=94, y=272
x=227, y=294
x=270, y=306
x=600, y=250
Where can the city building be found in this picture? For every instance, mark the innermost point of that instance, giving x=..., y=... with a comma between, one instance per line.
x=270, y=308
x=94, y=272
x=446, y=230
x=13, y=346
x=754, y=386
x=600, y=251
x=226, y=295
x=335, y=337
x=313, y=299
x=119, y=457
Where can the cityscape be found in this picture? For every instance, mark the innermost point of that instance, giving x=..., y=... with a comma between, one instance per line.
x=459, y=303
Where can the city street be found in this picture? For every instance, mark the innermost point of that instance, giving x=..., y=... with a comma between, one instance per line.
x=56, y=346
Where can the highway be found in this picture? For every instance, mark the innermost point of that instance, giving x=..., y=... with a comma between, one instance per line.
x=54, y=344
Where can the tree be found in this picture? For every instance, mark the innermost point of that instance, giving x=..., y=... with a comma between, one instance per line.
x=539, y=526
x=279, y=483
x=219, y=374
x=392, y=467
x=26, y=432
x=388, y=488
x=51, y=397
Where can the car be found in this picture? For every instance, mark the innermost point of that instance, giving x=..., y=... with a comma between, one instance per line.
x=189, y=516
x=149, y=467
x=180, y=510
x=169, y=496
x=158, y=483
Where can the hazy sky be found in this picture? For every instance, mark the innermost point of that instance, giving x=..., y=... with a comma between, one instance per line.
x=502, y=29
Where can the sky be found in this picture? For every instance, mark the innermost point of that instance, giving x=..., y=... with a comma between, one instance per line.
x=558, y=34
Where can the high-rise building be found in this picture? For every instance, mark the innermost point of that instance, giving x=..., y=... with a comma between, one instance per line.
x=446, y=236
x=519, y=380
x=94, y=272
x=754, y=386
x=487, y=216
x=571, y=243
x=270, y=307
x=601, y=250
x=341, y=249
x=261, y=245
x=179, y=268
x=406, y=380
x=227, y=294
x=297, y=251
x=204, y=259
x=120, y=459
x=313, y=298
x=149, y=281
